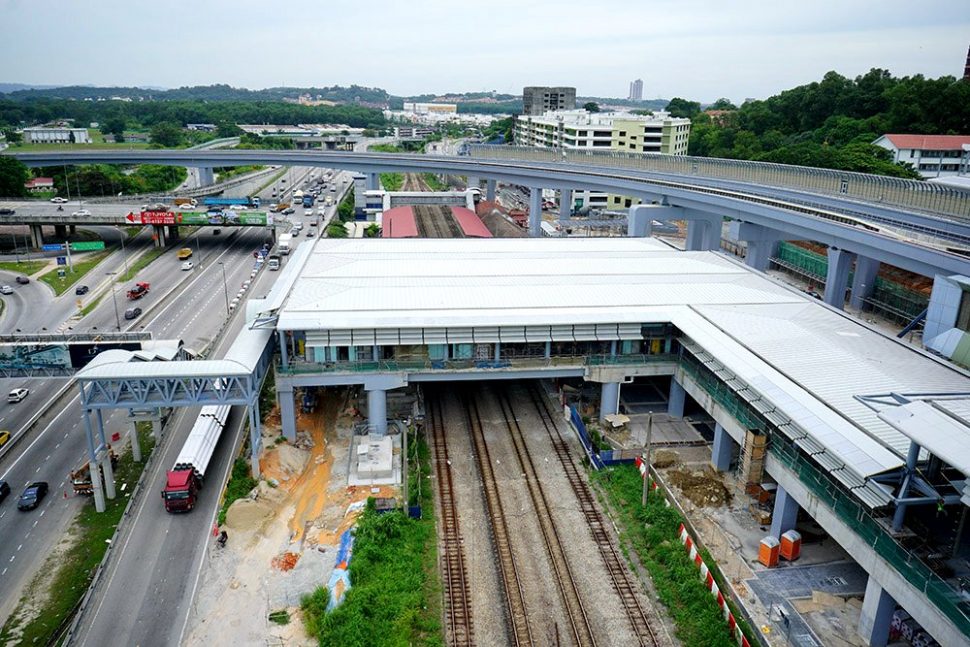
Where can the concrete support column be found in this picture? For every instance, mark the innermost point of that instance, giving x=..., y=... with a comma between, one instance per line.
x=287, y=411
x=760, y=253
x=36, y=236
x=498, y=351
x=206, y=176
x=609, y=399
x=72, y=229
x=377, y=411
x=109, y=473
x=638, y=221
x=703, y=232
x=255, y=442
x=135, y=444
x=863, y=281
x=474, y=182
x=761, y=243
x=93, y=463
x=173, y=233
x=535, y=212
x=723, y=449
x=490, y=188
x=60, y=232
x=158, y=235
x=373, y=182
x=548, y=349
x=157, y=426
x=837, y=277
x=876, y=616
x=785, y=514
x=677, y=399
x=565, y=207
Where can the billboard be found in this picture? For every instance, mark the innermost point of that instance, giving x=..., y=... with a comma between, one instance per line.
x=55, y=357
x=226, y=217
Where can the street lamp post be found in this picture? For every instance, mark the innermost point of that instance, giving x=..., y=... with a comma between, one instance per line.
x=225, y=285
x=124, y=252
x=114, y=299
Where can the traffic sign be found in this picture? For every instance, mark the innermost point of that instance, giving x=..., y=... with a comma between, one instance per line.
x=87, y=246
x=52, y=247
x=62, y=260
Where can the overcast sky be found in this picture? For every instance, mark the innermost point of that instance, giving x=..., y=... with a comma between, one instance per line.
x=697, y=49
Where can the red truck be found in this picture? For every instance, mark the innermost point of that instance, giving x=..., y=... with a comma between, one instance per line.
x=184, y=480
x=137, y=292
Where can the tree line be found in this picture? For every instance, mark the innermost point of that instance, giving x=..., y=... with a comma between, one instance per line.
x=831, y=123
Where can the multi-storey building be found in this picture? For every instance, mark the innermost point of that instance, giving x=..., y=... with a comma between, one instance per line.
x=636, y=90
x=538, y=100
x=619, y=131
x=931, y=155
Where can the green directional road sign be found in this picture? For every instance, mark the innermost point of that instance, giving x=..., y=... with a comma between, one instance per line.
x=226, y=218
x=89, y=246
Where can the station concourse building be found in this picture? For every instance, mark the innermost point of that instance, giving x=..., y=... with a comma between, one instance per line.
x=868, y=435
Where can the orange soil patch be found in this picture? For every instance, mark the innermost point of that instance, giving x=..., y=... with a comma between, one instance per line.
x=285, y=561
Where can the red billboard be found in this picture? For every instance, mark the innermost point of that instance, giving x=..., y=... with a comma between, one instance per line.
x=156, y=218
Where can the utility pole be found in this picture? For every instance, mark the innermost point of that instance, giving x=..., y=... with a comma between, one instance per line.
x=646, y=459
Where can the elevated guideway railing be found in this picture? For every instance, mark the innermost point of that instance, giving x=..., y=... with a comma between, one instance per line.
x=925, y=197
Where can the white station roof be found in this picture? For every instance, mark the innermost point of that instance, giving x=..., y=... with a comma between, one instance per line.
x=809, y=360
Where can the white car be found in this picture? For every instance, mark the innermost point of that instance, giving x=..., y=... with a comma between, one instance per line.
x=81, y=213
x=17, y=395
x=6, y=289
x=187, y=265
x=59, y=200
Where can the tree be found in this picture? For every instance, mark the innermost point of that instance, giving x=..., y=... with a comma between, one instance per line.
x=722, y=104
x=114, y=125
x=227, y=129
x=166, y=133
x=682, y=107
x=591, y=106
x=12, y=136
x=13, y=174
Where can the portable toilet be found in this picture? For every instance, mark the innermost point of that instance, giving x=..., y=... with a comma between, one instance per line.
x=768, y=551
x=791, y=545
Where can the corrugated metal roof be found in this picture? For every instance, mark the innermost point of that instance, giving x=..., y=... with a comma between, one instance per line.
x=941, y=426
x=471, y=225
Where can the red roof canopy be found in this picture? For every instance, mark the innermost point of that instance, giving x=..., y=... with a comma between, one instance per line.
x=929, y=142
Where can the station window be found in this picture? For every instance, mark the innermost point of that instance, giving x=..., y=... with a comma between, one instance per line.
x=963, y=313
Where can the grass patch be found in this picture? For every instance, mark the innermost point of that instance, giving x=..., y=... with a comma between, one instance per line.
x=23, y=267
x=84, y=147
x=240, y=485
x=281, y=617
x=69, y=574
x=234, y=171
x=71, y=277
x=652, y=533
x=141, y=263
x=433, y=182
x=86, y=310
x=392, y=181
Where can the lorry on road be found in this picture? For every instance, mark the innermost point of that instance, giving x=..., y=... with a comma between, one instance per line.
x=81, y=477
x=273, y=262
x=225, y=202
x=308, y=200
x=137, y=292
x=284, y=244
x=184, y=480
x=184, y=254
x=185, y=203
x=282, y=206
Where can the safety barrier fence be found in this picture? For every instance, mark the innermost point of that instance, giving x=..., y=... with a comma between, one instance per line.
x=922, y=196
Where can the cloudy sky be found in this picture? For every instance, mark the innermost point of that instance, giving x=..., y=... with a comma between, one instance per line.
x=698, y=49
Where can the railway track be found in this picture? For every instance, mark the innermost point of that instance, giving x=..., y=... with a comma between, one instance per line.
x=578, y=620
x=457, y=593
x=520, y=630
x=432, y=223
x=619, y=576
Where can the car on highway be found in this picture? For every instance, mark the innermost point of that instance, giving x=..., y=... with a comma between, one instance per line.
x=187, y=265
x=23, y=280
x=4, y=491
x=81, y=213
x=288, y=211
x=309, y=233
x=7, y=212
x=81, y=289
x=272, y=207
x=17, y=395
x=32, y=496
x=4, y=437
x=132, y=313
x=59, y=200
x=6, y=289
x=297, y=227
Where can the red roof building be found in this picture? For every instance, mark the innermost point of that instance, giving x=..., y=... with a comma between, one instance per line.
x=471, y=225
x=931, y=155
x=39, y=184
x=399, y=222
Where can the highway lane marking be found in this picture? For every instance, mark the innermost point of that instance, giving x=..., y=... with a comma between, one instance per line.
x=2, y=513
x=4, y=571
x=48, y=457
x=35, y=523
x=19, y=547
x=13, y=557
x=43, y=511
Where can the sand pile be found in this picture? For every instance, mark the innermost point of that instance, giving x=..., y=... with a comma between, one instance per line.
x=285, y=561
x=246, y=514
x=664, y=458
x=292, y=460
x=701, y=488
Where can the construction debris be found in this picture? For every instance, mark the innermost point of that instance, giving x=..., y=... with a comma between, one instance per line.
x=702, y=488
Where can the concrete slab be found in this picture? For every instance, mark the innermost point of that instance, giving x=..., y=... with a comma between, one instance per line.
x=374, y=460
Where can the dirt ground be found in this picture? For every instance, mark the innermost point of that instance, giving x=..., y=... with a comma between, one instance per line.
x=283, y=539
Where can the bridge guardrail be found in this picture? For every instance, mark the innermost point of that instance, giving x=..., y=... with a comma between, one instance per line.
x=893, y=192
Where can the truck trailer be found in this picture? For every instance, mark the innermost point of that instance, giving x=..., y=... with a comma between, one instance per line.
x=225, y=202
x=285, y=244
x=184, y=480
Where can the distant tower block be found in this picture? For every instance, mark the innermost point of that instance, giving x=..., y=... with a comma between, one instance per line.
x=966, y=68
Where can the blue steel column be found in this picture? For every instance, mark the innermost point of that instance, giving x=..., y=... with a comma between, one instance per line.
x=287, y=411
x=377, y=411
x=863, y=281
x=677, y=400
x=837, y=277
x=609, y=399
x=284, y=360
x=93, y=463
x=785, y=513
x=109, y=476
x=535, y=212
x=876, y=616
x=490, y=187
x=254, y=438
x=723, y=449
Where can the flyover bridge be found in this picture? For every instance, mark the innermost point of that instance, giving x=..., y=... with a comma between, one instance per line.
x=768, y=202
